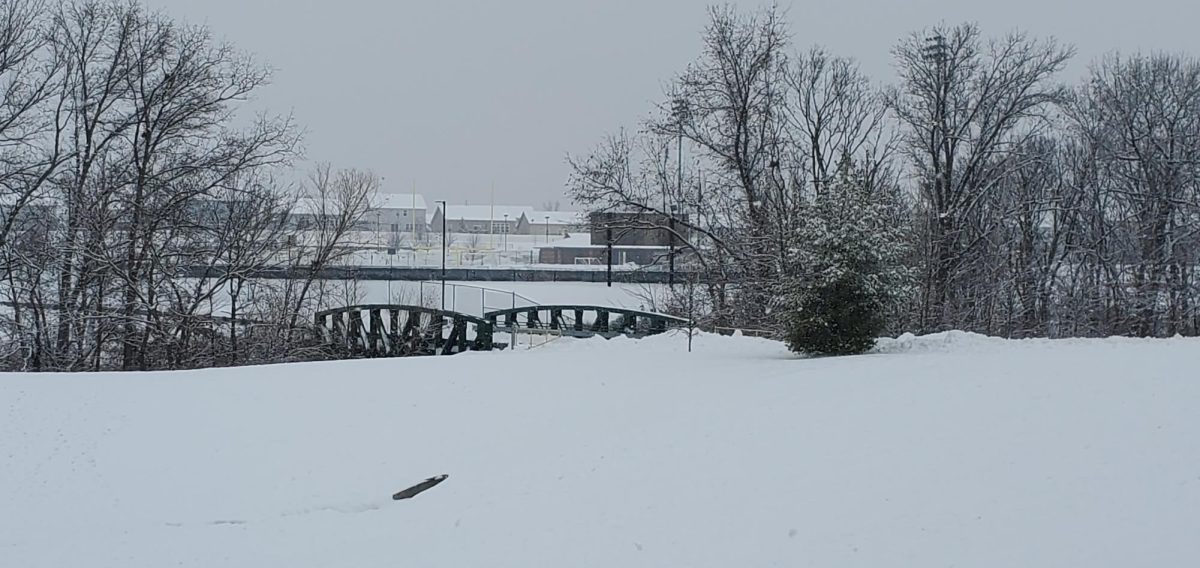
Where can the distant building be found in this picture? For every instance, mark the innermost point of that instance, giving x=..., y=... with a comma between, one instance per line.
x=398, y=214
x=584, y=253
x=487, y=219
x=556, y=223
x=637, y=238
x=403, y=213
x=34, y=221
x=636, y=229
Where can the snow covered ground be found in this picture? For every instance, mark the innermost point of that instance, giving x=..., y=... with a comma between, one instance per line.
x=949, y=450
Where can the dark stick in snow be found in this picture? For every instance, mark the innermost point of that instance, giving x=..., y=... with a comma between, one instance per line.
x=419, y=488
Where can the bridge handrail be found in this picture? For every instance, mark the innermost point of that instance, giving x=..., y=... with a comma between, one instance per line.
x=484, y=288
x=494, y=315
x=403, y=307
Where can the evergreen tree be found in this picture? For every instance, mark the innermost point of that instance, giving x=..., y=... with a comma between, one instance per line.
x=846, y=272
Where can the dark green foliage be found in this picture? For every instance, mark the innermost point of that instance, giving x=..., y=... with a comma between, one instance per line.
x=837, y=318
x=846, y=273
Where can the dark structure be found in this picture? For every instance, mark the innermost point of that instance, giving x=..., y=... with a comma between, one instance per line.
x=637, y=229
x=598, y=254
x=381, y=330
x=582, y=321
x=420, y=487
x=643, y=239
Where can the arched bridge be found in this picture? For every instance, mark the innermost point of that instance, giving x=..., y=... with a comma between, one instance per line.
x=582, y=321
x=384, y=330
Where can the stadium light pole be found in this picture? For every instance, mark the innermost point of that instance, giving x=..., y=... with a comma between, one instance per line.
x=680, y=111
x=444, y=213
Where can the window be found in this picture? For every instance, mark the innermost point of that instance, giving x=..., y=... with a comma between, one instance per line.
x=395, y=227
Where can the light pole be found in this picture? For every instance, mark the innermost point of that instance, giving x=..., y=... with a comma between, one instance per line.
x=681, y=112
x=671, y=254
x=444, y=213
x=505, y=225
x=547, y=229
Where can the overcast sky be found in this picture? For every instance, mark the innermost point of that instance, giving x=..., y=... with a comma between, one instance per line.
x=458, y=95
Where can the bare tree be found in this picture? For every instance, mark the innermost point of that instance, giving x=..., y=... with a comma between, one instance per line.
x=30, y=130
x=123, y=132
x=964, y=105
x=93, y=39
x=334, y=204
x=834, y=114
x=1141, y=115
x=728, y=108
x=183, y=90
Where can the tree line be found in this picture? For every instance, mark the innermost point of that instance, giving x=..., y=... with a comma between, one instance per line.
x=137, y=192
x=979, y=192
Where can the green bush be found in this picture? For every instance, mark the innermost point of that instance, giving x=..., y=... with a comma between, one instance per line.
x=837, y=318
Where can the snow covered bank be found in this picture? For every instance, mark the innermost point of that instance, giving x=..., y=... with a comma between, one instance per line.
x=947, y=450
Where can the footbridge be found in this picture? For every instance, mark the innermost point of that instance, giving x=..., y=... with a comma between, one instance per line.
x=386, y=330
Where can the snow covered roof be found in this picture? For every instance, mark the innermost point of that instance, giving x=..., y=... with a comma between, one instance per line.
x=486, y=212
x=309, y=206
x=558, y=217
x=400, y=201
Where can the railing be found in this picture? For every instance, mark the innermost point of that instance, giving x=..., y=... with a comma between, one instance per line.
x=582, y=321
x=383, y=330
x=397, y=331
x=489, y=298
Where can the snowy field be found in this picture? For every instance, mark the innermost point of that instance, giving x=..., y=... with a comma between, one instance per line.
x=950, y=450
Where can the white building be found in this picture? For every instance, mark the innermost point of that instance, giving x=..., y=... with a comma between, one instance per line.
x=553, y=223
x=400, y=213
x=487, y=219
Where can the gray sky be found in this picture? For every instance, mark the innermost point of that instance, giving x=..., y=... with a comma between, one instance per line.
x=457, y=95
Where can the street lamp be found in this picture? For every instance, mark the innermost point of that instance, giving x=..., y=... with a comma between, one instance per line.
x=444, y=213
x=547, y=229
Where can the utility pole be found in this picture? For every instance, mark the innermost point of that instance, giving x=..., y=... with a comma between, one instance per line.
x=608, y=238
x=444, y=213
x=937, y=50
x=680, y=112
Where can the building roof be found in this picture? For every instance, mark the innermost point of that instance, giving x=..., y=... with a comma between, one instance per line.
x=558, y=217
x=400, y=201
x=486, y=212
x=309, y=206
